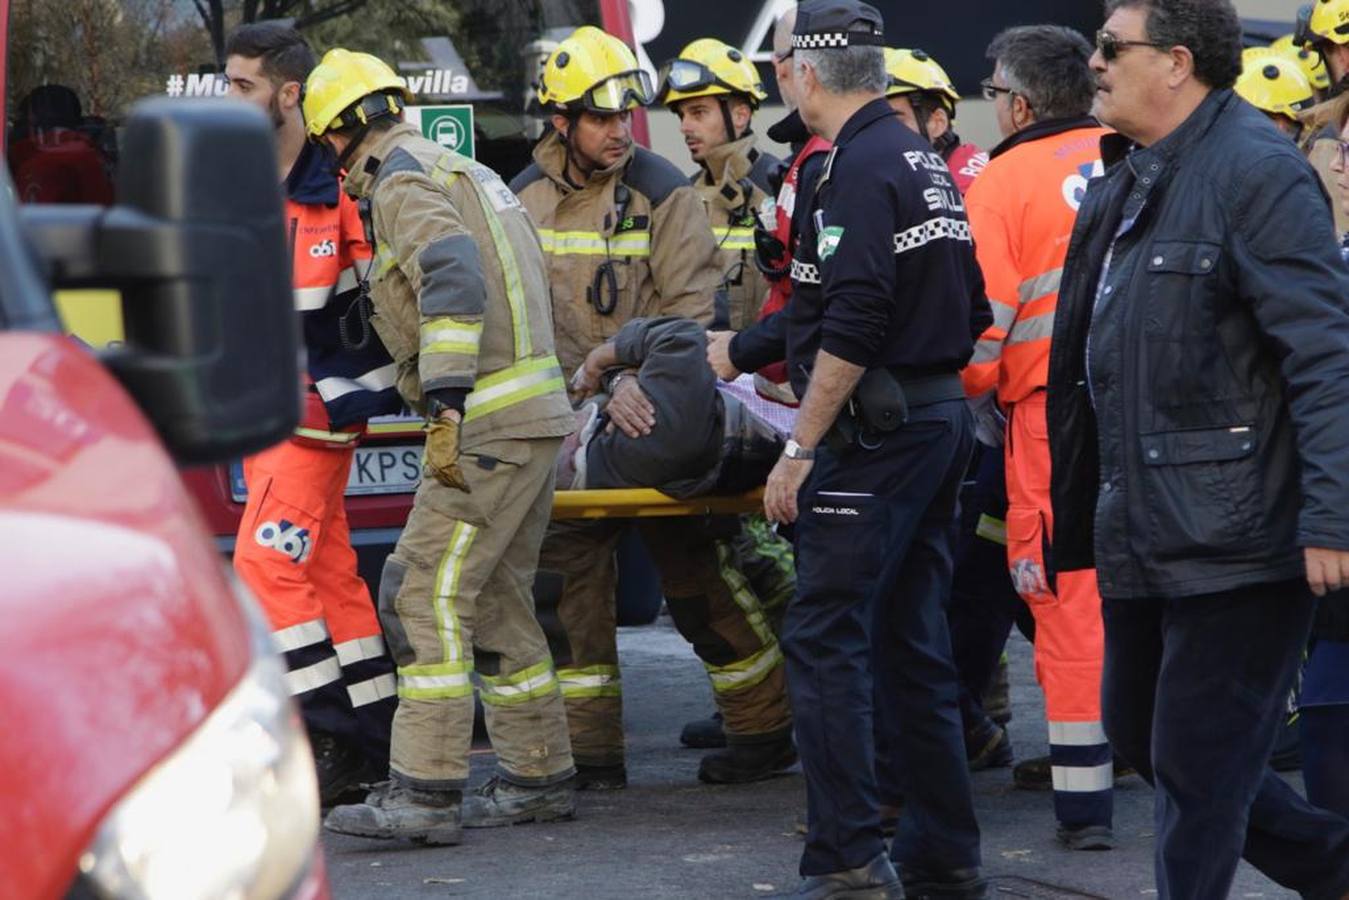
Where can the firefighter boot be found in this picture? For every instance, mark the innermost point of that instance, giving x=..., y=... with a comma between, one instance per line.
x=395, y=811
x=601, y=778
x=499, y=802
x=342, y=772
x=748, y=758
x=704, y=734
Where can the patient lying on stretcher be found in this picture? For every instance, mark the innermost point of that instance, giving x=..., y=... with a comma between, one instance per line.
x=697, y=435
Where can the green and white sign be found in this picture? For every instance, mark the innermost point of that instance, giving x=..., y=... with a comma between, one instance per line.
x=449, y=126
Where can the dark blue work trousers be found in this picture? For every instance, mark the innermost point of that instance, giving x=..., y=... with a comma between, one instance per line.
x=873, y=571
x=1193, y=693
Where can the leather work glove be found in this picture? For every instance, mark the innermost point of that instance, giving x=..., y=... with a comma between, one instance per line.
x=442, y=454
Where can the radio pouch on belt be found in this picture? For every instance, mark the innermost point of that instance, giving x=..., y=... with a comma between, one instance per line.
x=877, y=407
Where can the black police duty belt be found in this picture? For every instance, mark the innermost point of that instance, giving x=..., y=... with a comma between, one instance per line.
x=881, y=403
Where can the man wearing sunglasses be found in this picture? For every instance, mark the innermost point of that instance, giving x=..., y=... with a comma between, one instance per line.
x=626, y=236
x=1198, y=373
x=1021, y=212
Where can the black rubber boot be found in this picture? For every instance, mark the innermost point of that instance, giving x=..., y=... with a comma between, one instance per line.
x=704, y=734
x=943, y=884
x=745, y=760
x=601, y=778
x=343, y=774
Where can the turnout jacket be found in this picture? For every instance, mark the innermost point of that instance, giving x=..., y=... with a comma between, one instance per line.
x=459, y=287
x=658, y=244
x=1199, y=367
x=734, y=183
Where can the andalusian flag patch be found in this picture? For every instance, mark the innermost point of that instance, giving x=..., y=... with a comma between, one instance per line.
x=828, y=243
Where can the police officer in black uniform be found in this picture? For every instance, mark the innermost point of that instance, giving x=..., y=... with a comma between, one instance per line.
x=871, y=477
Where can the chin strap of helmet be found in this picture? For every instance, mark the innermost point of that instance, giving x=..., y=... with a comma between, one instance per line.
x=725, y=105
x=349, y=151
x=573, y=117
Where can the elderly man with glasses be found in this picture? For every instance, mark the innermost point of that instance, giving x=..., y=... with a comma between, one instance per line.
x=1198, y=370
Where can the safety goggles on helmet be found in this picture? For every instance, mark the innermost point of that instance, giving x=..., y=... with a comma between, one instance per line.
x=619, y=92
x=685, y=75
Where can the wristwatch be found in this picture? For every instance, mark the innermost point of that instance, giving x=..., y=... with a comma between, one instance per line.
x=793, y=450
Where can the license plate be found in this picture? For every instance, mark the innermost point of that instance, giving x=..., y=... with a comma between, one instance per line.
x=387, y=469
x=394, y=469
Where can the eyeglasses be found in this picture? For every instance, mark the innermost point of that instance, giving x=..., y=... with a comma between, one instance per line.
x=1110, y=46
x=991, y=90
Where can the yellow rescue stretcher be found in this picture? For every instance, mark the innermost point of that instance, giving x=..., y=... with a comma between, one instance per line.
x=645, y=503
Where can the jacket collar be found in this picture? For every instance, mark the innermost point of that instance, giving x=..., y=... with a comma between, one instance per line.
x=872, y=112
x=551, y=156
x=725, y=166
x=313, y=179
x=1115, y=147
x=790, y=129
x=1040, y=130
x=371, y=155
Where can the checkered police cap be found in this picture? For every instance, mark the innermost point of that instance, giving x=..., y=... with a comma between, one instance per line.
x=837, y=24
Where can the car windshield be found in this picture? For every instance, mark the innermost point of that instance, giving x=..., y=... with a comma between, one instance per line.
x=75, y=67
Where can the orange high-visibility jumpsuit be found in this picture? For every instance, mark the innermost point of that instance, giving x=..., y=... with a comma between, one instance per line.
x=293, y=548
x=1021, y=212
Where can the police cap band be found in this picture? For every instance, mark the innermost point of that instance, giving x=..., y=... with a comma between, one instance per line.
x=822, y=24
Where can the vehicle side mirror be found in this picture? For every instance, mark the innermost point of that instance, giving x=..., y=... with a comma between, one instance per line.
x=197, y=247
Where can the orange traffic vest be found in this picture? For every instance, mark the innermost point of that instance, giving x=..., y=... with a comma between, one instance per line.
x=1021, y=211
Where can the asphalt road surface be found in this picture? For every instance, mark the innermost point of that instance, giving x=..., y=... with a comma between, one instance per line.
x=667, y=835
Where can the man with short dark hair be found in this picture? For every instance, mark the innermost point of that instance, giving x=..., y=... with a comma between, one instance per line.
x=1021, y=212
x=1198, y=374
x=293, y=548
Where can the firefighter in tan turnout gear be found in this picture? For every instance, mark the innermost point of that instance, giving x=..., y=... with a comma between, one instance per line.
x=460, y=297
x=714, y=90
x=625, y=235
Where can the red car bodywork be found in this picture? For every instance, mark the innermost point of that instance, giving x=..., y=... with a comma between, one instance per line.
x=122, y=632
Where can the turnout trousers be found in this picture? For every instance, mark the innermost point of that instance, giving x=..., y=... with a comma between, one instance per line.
x=873, y=553
x=456, y=601
x=1195, y=691
x=1069, y=636
x=294, y=552
x=711, y=601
